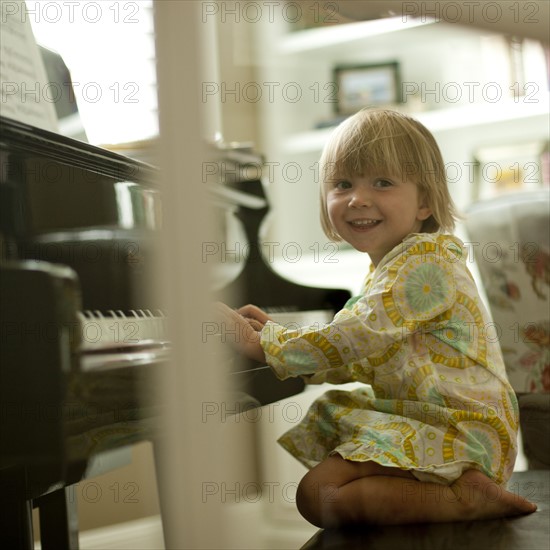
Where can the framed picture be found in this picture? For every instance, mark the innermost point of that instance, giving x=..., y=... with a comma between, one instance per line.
x=518, y=167
x=360, y=86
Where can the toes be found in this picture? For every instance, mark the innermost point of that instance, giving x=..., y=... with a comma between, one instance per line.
x=481, y=497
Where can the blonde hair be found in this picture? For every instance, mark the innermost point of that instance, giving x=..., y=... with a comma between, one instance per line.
x=392, y=144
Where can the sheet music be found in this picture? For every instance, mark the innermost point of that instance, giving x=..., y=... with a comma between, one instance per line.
x=26, y=94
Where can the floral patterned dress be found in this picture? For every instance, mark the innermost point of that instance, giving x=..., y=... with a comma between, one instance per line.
x=436, y=399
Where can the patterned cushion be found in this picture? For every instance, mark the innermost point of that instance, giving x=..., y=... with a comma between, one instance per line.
x=510, y=240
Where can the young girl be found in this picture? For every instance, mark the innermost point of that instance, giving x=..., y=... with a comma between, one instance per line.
x=433, y=435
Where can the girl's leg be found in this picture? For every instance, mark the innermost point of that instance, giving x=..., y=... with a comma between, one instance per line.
x=341, y=492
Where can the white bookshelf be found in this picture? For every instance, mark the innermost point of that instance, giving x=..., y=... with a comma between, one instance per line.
x=323, y=38
x=430, y=55
x=442, y=120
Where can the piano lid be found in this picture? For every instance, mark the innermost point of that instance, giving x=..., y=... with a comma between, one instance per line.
x=53, y=183
x=16, y=135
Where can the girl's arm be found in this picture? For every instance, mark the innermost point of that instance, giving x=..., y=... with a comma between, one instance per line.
x=244, y=336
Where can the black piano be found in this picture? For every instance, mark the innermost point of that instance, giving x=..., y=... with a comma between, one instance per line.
x=81, y=335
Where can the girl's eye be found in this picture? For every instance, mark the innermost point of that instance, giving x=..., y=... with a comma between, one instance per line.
x=343, y=184
x=382, y=183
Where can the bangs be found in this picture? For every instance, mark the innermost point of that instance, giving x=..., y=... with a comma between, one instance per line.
x=384, y=143
x=383, y=147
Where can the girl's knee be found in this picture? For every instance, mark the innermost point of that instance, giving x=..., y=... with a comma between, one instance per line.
x=315, y=499
x=306, y=500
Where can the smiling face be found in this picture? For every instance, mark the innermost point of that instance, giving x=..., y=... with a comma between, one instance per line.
x=374, y=213
x=397, y=163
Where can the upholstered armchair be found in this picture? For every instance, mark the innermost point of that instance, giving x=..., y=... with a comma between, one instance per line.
x=510, y=240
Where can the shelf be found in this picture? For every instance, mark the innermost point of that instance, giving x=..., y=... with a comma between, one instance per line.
x=438, y=121
x=478, y=114
x=326, y=37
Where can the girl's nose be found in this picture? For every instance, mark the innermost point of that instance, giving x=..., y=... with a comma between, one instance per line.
x=360, y=198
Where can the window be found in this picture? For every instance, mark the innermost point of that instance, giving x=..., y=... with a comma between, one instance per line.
x=109, y=48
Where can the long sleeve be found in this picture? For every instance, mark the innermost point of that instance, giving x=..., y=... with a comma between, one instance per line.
x=412, y=290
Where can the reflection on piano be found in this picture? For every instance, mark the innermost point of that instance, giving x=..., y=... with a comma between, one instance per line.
x=80, y=334
x=257, y=283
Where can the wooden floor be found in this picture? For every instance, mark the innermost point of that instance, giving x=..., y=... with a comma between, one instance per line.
x=531, y=532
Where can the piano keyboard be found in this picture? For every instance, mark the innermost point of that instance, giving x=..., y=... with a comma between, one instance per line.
x=294, y=319
x=116, y=329
x=145, y=327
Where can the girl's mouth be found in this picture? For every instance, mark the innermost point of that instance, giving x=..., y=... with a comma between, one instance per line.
x=363, y=224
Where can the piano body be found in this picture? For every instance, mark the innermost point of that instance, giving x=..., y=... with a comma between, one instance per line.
x=81, y=335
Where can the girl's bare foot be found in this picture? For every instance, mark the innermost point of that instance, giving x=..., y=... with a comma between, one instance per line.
x=484, y=499
x=341, y=492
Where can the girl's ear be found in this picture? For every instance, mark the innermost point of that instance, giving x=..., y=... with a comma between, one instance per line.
x=424, y=212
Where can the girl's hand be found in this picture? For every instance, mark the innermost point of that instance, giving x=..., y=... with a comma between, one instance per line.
x=244, y=337
x=254, y=315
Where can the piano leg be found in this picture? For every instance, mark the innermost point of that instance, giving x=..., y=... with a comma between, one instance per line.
x=58, y=520
x=15, y=511
x=163, y=483
x=20, y=533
